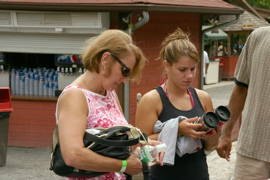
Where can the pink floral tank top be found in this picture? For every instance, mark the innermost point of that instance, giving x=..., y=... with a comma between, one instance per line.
x=103, y=112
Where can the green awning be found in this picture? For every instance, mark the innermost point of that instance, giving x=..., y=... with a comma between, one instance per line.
x=215, y=34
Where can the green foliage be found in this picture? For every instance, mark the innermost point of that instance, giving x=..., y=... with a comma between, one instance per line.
x=264, y=4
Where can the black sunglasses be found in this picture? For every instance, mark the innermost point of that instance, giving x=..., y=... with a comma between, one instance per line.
x=125, y=70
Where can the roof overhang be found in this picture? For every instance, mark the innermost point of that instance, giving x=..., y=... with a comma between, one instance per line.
x=219, y=34
x=113, y=7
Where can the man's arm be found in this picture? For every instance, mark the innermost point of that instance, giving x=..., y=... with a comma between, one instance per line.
x=236, y=106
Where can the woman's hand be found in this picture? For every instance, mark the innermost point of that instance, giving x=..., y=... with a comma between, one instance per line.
x=160, y=156
x=134, y=165
x=187, y=128
x=211, y=140
x=153, y=142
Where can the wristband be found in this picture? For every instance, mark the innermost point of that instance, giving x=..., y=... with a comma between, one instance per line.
x=124, y=166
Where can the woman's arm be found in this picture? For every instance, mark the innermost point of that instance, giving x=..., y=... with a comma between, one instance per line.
x=147, y=113
x=205, y=100
x=220, y=47
x=72, y=113
x=211, y=140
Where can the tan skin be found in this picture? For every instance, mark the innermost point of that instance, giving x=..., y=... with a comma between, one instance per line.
x=180, y=76
x=221, y=46
x=236, y=106
x=72, y=113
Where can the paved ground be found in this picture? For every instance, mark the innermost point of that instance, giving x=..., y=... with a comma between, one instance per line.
x=220, y=169
x=33, y=163
x=220, y=92
x=27, y=164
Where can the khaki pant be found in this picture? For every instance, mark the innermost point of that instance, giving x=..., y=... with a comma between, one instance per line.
x=250, y=169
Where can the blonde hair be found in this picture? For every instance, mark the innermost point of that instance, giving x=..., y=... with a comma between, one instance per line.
x=116, y=42
x=176, y=45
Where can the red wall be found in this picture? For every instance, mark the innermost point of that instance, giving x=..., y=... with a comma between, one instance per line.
x=31, y=123
x=149, y=38
x=229, y=64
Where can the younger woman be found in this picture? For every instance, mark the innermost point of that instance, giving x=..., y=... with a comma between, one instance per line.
x=173, y=98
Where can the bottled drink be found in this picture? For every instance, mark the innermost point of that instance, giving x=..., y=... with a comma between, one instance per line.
x=148, y=153
x=26, y=84
x=36, y=81
x=46, y=88
x=12, y=79
x=31, y=84
x=40, y=86
x=17, y=83
x=51, y=89
x=21, y=85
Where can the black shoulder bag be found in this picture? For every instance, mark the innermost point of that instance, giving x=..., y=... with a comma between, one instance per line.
x=112, y=142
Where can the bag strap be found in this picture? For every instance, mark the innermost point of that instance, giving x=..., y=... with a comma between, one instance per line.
x=55, y=142
x=55, y=139
x=99, y=140
x=94, y=138
x=145, y=170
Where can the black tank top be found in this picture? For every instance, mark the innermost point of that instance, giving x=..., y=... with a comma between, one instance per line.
x=189, y=166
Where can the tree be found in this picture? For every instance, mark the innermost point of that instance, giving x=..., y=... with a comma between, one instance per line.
x=264, y=4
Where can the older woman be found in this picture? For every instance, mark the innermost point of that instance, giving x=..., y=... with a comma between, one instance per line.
x=90, y=101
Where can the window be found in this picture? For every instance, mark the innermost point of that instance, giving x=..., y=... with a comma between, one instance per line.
x=237, y=42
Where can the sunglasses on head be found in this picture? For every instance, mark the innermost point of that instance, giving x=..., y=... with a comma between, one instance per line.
x=125, y=70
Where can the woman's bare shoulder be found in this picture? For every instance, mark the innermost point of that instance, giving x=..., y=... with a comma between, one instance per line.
x=72, y=96
x=202, y=93
x=205, y=99
x=151, y=96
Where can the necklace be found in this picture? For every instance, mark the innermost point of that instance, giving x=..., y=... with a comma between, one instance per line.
x=188, y=91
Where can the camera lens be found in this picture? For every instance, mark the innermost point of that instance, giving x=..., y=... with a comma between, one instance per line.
x=223, y=113
x=211, y=120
